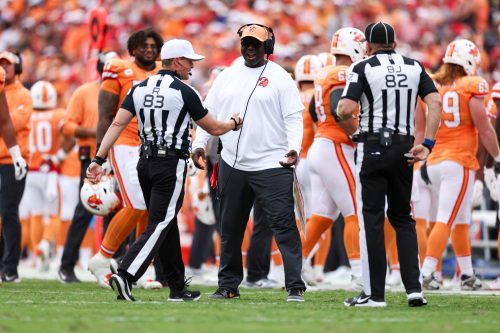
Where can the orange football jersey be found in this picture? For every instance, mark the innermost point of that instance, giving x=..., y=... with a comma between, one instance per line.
x=308, y=136
x=457, y=138
x=71, y=165
x=326, y=80
x=44, y=135
x=118, y=77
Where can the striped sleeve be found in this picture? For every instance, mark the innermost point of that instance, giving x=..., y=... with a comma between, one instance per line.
x=354, y=87
x=426, y=85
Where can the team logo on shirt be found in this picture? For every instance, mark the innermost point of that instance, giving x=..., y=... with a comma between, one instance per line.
x=263, y=82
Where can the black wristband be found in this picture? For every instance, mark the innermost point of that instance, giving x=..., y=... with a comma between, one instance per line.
x=99, y=160
x=428, y=147
x=235, y=124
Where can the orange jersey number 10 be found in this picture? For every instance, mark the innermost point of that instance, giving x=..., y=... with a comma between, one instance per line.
x=41, y=137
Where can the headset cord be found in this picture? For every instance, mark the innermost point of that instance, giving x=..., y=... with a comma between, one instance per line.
x=219, y=195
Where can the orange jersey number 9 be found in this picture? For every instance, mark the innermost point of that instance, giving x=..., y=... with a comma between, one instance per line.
x=450, y=108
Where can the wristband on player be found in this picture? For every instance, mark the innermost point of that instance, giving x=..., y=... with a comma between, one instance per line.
x=98, y=160
x=429, y=144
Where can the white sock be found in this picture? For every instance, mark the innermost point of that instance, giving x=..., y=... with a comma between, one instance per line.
x=85, y=254
x=429, y=266
x=465, y=264
x=439, y=276
x=355, y=267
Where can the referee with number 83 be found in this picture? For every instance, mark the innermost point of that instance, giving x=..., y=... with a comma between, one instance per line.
x=386, y=85
x=165, y=107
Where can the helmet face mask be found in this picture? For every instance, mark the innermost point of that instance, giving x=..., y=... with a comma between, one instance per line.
x=100, y=198
x=306, y=68
x=464, y=53
x=349, y=42
x=44, y=95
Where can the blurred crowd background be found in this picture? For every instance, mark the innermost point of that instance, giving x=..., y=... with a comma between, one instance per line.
x=53, y=37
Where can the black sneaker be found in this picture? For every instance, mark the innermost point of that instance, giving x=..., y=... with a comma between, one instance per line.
x=295, y=295
x=11, y=278
x=185, y=295
x=122, y=288
x=67, y=276
x=223, y=293
x=416, y=299
x=362, y=300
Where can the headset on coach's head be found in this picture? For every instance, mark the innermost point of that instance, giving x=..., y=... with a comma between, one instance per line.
x=269, y=43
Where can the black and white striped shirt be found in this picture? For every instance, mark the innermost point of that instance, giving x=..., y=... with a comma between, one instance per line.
x=164, y=106
x=386, y=85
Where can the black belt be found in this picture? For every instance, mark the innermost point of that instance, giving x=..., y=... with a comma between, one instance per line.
x=151, y=150
x=364, y=137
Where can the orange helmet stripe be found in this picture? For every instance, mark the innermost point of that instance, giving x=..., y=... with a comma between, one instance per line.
x=307, y=65
x=45, y=93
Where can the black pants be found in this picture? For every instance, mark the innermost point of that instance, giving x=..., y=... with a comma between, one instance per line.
x=259, y=251
x=11, y=193
x=202, y=245
x=272, y=188
x=162, y=183
x=77, y=229
x=385, y=172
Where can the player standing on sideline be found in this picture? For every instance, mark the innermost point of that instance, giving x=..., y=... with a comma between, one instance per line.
x=80, y=122
x=118, y=77
x=12, y=164
x=387, y=86
x=450, y=168
x=331, y=156
x=165, y=108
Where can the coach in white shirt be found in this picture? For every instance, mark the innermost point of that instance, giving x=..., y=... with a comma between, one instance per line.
x=256, y=163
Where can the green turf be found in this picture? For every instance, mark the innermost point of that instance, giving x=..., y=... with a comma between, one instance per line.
x=48, y=306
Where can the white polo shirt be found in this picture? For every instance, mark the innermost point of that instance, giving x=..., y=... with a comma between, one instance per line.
x=264, y=136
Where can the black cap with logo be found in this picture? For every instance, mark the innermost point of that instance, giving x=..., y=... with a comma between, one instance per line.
x=380, y=33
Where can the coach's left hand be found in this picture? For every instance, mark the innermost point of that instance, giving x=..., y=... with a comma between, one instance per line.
x=291, y=159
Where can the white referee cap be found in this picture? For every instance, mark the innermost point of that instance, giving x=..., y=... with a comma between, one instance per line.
x=179, y=48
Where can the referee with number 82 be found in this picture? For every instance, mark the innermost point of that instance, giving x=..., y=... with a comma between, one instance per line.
x=386, y=85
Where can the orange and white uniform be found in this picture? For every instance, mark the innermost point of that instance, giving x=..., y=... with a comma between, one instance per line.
x=69, y=181
x=20, y=108
x=118, y=78
x=42, y=192
x=452, y=163
x=302, y=170
x=331, y=156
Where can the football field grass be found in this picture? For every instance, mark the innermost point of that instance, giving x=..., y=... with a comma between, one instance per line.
x=48, y=306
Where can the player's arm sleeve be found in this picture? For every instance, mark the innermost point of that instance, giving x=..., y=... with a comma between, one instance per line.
x=312, y=109
x=426, y=85
x=335, y=96
x=356, y=82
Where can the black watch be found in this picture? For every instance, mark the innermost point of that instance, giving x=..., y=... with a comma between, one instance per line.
x=99, y=160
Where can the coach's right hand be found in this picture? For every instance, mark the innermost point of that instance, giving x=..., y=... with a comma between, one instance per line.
x=196, y=155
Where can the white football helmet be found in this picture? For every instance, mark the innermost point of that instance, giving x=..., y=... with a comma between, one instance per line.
x=44, y=95
x=326, y=59
x=100, y=198
x=464, y=53
x=349, y=42
x=306, y=68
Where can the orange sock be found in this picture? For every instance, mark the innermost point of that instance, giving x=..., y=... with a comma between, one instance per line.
x=25, y=233
x=460, y=240
x=390, y=244
x=36, y=231
x=217, y=249
x=439, y=265
x=324, y=248
x=421, y=226
x=62, y=233
x=88, y=240
x=276, y=254
x=119, y=228
x=351, y=237
x=142, y=224
x=50, y=230
x=438, y=239
x=314, y=228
